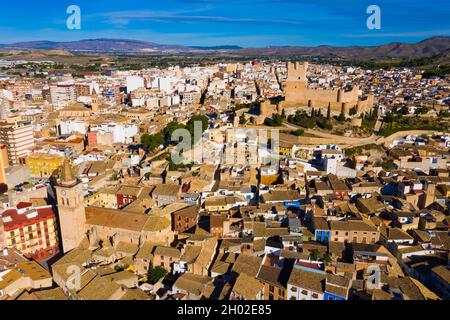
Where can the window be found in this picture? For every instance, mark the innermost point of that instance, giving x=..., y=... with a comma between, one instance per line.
x=305, y=292
x=294, y=289
x=315, y=295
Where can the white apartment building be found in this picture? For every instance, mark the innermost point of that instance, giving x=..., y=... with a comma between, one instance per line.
x=134, y=82
x=72, y=126
x=19, y=139
x=62, y=95
x=122, y=133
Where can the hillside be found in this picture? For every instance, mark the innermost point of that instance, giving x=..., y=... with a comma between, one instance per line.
x=426, y=48
x=431, y=47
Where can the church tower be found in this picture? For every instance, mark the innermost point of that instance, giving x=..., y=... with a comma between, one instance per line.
x=71, y=209
x=94, y=102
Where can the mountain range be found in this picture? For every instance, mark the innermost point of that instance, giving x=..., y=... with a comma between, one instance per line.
x=431, y=47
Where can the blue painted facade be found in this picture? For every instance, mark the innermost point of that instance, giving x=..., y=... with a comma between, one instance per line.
x=330, y=296
x=292, y=205
x=322, y=235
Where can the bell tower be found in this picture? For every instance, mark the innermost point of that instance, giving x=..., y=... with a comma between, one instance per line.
x=94, y=101
x=71, y=209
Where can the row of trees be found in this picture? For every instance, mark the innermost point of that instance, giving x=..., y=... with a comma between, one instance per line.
x=302, y=119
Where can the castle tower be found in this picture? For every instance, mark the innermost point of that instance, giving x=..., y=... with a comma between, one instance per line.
x=71, y=210
x=296, y=81
x=94, y=101
x=297, y=71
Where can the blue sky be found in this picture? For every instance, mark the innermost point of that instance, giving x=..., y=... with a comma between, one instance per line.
x=248, y=23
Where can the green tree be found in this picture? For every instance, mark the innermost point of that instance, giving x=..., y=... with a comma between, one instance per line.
x=169, y=129
x=389, y=119
x=314, y=254
x=191, y=125
x=203, y=119
x=152, y=141
x=341, y=117
x=275, y=121
x=155, y=274
x=298, y=132
x=324, y=124
x=326, y=258
x=388, y=165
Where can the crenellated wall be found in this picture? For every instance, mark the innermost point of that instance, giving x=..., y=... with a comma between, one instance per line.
x=298, y=95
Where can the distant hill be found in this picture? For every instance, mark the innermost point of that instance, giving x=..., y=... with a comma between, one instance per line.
x=97, y=45
x=431, y=47
x=217, y=48
x=443, y=58
x=426, y=48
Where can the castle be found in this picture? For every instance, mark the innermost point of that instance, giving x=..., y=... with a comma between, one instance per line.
x=299, y=95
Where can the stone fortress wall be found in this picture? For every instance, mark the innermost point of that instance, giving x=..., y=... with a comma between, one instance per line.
x=299, y=95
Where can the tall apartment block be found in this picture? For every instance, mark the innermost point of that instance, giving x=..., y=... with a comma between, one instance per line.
x=19, y=140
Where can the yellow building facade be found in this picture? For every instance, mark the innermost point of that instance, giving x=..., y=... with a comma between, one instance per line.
x=43, y=165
